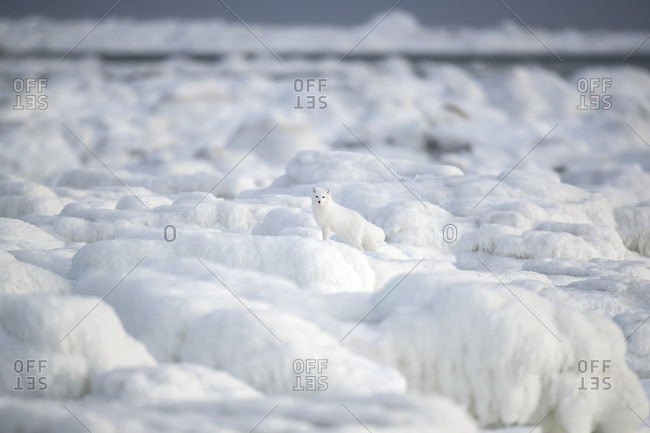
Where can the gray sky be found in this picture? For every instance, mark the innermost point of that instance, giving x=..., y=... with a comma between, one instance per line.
x=583, y=14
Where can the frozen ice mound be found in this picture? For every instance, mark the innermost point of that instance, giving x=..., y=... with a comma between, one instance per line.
x=144, y=184
x=19, y=241
x=19, y=235
x=291, y=135
x=625, y=183
x=130, y=202
x=638, y=340
x=38, y=150
x=181, y=312
x=288, y=222
x=532, y=93
x=83, y=223
x=18, y=199
x=225, y=339
x=475, y=194
x=633, y=224
x=230, y=215
x=169, y=382
x=475, y=342
x=383, y=414
x=411, y=223
x=550, y=239
x=20, y=278
x=311, y=167
x=312, y=264
x=149, y=187
x=36, y=328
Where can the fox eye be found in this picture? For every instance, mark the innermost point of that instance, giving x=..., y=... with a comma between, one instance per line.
x=323, y=197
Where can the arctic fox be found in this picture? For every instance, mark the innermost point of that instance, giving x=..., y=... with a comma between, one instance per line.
x=332, y=217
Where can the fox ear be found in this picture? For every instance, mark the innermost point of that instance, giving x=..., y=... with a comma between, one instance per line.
x=327, y=190
x=314, y=189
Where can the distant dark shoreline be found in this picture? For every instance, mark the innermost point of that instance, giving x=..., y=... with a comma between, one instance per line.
x=570, y=61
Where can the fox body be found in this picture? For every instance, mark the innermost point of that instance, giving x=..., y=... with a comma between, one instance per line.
x=334, y=218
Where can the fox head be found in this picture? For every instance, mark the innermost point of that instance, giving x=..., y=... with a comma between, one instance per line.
x=321, y=197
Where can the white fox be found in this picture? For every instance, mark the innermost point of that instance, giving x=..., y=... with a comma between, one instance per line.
x=332, y=217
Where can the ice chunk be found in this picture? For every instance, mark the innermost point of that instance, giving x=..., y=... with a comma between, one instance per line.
x=550, y=239
x=633, y=224
x=169, y=382
x=41, y=328
x=25, y=278
x=16, y=234
x=509, y=358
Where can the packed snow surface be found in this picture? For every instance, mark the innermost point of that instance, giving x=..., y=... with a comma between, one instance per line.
x=174, y=279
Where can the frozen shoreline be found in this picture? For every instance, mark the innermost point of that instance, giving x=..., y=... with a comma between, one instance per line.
x=399, y=33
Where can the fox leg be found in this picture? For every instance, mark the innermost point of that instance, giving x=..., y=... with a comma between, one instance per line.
x=356, y=238
x=326, y=233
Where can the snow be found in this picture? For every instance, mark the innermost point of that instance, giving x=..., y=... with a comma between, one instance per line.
x=286, y=222
x=33, y=327
x=311, y=167
x=310, y=263
x=21, y=277
x=388, y=414
x=550, y=238
x=169, y=382
x=18, y=199
x=439, y=332
x=633, y=225
x=19, y=235
x=23, y=241
x=234, y=336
